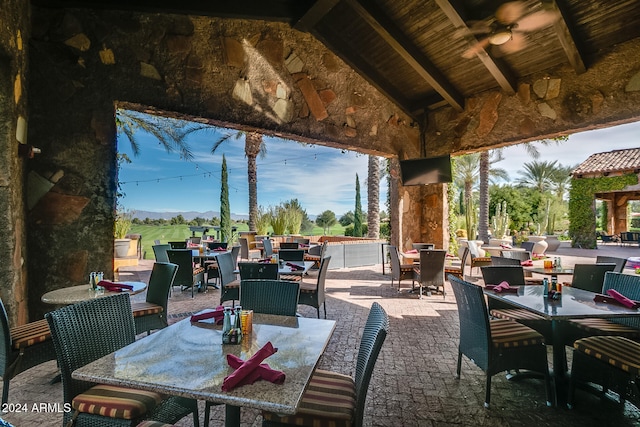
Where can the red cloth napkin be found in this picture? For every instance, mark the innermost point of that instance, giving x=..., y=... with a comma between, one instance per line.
x=218, y=315
x=249, y=366
x=412, y=251
x=295, y=267
x=622, y=299
x=114, y=287
x=503, y=287
x=527, y=263
x=262, y=372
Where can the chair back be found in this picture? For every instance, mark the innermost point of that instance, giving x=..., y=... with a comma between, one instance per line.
x=590, y=277
x=520, y=255
x=302, y=240
x=432, y=267
x=395, y=262
x=420, y=246
x=619, y=262
x=178, y=245
x=235, y=251
x=322, y=276
x=87, y=331
x=156, y=242
x=498, y=260
x=629, y=286
x=160, y=252
x=495, y=274
x=162, y=277
x=291, y=255
x=216, y=245
x=270, y=296
x=244, y=248
x=226, y=267
x=375, y=332
x=195, y=240
x=475, y=334
x=528, y=246
x=289, y=245
x=267, y=247
x=258, y=270
x=474, y=251
x=184, y=260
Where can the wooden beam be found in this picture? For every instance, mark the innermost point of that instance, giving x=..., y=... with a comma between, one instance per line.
x=564, y=33
x=498, y=69
x=315, y=14
x=409, y=52
x=268, y=10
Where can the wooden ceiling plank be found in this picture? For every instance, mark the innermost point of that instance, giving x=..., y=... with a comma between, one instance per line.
x=500, y=72
x=389, y=31
x=314, y=15
x=564, y=32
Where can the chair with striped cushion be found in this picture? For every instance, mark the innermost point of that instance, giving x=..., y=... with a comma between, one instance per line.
x=24, y=347
x=476, y=259
x=87, y=331
x=334, y=399
x=188, y=275
x=152, y=314
x=610, y=361
x=626, y=284
x=496, y=345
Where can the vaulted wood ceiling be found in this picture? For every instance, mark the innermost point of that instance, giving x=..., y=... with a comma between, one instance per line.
x=412, y=50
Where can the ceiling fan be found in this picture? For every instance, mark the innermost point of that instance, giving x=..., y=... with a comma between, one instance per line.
x=506, y=30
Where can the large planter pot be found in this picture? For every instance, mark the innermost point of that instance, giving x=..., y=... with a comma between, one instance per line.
x=553, y=243
x=121, y=247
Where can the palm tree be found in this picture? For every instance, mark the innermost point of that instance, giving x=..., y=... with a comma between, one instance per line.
x=538, y=175
x=169, y=132
x=467, y=172
x=373, y=197
x=253, y=147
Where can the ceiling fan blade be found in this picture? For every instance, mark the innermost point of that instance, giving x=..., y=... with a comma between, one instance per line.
x=537, y=20
x=517, y=43
x=477, y=47
x=510, y=12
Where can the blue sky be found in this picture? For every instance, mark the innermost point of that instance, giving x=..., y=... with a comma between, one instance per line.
x=319, y=177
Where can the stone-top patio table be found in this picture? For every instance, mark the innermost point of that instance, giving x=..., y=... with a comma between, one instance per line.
x=75, y=294
x=188, y=359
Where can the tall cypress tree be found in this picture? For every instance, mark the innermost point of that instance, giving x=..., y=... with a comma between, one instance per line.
x=225, y=210
x=357, y=223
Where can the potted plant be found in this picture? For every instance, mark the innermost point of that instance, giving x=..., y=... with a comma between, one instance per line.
x=121, y=228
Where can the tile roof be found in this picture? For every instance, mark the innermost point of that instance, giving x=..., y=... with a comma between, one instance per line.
x=612, y=161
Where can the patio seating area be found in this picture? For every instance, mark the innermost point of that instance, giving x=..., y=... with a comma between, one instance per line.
x=414, y=381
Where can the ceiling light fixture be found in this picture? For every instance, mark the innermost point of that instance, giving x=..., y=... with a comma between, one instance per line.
x=500, y=36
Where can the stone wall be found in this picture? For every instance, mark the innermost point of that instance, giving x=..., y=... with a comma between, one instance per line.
x=14, y=36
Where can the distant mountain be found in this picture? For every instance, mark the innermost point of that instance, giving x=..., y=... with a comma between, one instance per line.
x=186, y=215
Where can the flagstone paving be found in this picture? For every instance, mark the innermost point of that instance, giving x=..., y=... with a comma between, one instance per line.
x=414, y=380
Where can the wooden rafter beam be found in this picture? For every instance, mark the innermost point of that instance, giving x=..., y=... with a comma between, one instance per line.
x=409, y=52
x=564, y=33
x=498, y=69
x=315, y=14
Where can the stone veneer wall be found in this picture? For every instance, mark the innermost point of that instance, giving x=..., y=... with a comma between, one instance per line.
x=14, y=36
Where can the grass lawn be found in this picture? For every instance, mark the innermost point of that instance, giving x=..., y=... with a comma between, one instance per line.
x=171, y=233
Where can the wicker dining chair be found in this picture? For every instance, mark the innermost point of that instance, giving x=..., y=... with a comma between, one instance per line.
x=87, y=331
x=152, y=314
x=265, y=296
x=312, y=294
x=229, y=285
x=257, y=270
x=23, y=347
x=333, y=398
x=188, y=275
x=399, y=271
x=160, y=252
x=619, y=262
x=496, y=345
x=430, y=272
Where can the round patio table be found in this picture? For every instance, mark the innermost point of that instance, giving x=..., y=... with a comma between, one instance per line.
x=75, y=294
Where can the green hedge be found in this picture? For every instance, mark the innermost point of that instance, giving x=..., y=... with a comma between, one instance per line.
x=582, y=215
